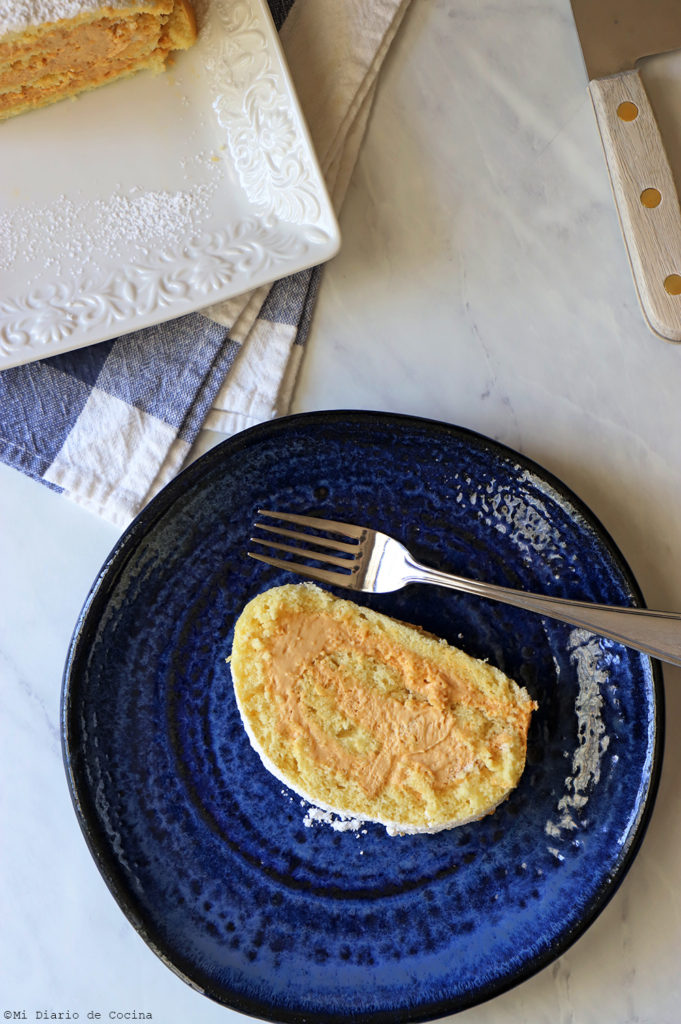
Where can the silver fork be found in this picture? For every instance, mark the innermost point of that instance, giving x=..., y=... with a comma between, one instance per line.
x=371, y=561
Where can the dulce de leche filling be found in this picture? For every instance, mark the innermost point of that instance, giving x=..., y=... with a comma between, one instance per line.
x=56, y=57
x=406, y=716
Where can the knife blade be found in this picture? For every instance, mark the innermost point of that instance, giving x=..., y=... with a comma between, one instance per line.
x=615, y=35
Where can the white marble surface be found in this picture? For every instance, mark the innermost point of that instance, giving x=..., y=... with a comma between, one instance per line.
x=483, y=281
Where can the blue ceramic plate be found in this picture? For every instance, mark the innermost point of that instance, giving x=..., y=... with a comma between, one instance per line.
x=206, y=853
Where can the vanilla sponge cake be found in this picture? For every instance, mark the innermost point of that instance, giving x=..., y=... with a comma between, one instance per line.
x=51, y=49
x=372, y=718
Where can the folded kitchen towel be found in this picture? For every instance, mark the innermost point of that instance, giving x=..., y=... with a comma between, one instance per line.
x=111, y=424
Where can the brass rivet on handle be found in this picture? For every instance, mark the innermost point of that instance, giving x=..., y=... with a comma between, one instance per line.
x=651, y=198
x=627, y=111
x=672, y=284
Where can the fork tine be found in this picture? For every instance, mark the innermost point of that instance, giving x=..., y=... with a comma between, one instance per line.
x=330, y=525
x=322, y=575
x=324, y=542
x=315, y=556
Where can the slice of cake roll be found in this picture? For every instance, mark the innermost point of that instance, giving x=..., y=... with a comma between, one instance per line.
x=374, y=719
x=51, y=49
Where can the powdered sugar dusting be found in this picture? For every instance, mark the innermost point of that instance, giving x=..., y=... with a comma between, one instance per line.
x=339, y=823
x=73, y=232
x=18, y=15
x=592, y=676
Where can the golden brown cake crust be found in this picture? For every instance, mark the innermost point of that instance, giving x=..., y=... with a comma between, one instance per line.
x=370, y=717
x=42, y=61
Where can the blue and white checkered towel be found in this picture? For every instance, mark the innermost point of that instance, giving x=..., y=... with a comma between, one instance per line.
x=111, y=424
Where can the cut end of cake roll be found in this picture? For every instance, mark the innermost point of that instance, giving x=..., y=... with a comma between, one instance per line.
x=371, y=718
x=54, y=49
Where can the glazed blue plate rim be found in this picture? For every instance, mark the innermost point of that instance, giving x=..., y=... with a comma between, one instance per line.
x=105, y=581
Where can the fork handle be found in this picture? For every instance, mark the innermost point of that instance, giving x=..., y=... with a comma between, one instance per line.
x=654, y=633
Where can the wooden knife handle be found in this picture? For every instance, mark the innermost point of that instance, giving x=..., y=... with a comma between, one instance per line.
x=646, y=196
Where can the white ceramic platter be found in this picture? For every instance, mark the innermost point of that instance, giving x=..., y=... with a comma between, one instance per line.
x=159, y=194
